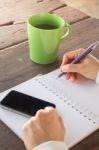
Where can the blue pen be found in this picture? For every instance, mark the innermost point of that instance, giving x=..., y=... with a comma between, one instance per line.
x=82, y=55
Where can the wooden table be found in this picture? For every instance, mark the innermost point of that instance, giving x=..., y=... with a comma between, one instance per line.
x=15, y=65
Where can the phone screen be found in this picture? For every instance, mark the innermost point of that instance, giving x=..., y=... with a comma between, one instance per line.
x=24, y=103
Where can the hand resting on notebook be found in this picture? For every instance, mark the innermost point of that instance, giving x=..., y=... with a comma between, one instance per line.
x=88, y=68
x=46, y=126
x=46, y=130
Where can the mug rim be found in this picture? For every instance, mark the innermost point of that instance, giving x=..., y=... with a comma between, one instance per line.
x=46, y=13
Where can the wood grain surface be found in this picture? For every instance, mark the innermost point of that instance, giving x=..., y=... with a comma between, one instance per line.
x=15, y=65
x=16, y=27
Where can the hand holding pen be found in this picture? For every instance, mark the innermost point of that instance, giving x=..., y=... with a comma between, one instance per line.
x=80, y=62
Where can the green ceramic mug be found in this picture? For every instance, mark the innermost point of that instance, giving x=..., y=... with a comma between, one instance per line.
x=45, y=32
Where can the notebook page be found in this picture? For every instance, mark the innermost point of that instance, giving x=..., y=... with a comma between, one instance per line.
x=85, y=95
x=30, y=87
x=73, y=120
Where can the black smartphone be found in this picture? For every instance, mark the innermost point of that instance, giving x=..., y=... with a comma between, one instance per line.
x=23, y=104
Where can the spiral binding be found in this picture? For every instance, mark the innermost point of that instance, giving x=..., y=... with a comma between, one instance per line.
x=81, y=109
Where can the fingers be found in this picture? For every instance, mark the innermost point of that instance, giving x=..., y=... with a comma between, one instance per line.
x=69, y=56
x=73, y=77
x=71, y=68
x=47, y=111
x=67, y=75
x=41, y=115
x=51, y=112
x=87, y=67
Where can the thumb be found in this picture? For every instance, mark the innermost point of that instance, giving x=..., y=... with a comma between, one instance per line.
x=71, y=68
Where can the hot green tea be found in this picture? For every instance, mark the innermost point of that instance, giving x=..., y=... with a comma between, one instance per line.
x=45, y=26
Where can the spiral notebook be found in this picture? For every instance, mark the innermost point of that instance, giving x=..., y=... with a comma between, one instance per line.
x=77, y=104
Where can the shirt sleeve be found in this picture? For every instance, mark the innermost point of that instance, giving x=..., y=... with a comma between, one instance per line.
x=52, y=145
x=97, y=78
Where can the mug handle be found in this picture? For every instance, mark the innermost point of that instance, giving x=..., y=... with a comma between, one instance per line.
x=69, y=30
